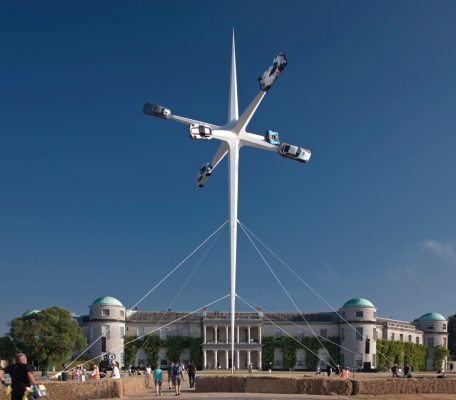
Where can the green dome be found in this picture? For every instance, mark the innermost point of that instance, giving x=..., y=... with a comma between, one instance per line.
x=107, y=301
x=30, y=312
x=432, y=316
x=358, y=302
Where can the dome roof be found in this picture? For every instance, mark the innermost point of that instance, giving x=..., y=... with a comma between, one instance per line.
x=29, y=312
x=432, y=316
x=358, y=302
x=107, y=301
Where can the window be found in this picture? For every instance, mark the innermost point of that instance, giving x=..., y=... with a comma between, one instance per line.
x=374, y=360
x=185, y=331
x=417, y=340
x=445, y=342
x=392, y=336
x=163, y=334
x=359, y=359
x=410, y=339
x=105, y=331
x=324, y=333
x=430, y=342
x=401, y=337
x=122, y=313
x=299, y=333
x=342, y=334
x=278, y=333
x=375, y=334
x=430, y=327
x=105, y=312
x=140, y=331
x=122, y=332
x=359, y=314
x=359, y=334
x=444, y=327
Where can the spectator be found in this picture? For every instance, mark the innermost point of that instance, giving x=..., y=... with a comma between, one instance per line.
x=21, y=377
x=158, y=380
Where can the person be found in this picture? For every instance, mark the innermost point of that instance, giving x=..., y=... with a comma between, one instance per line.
x=177, y=377
x=394, y=371
x=317, y=372
x=191, y=370
x=270, y=367
x=21, y=377
x=115, y=374
x=95, y=375
x=148, y=370
x=337, y=370
x=328, y=370
x=158, y=380
x=407, y=373
x=130, y=370
x=170, y=375
x=250, y=368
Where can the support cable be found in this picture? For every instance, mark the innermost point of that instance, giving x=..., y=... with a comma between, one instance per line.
x=156, y=329
x=286, y=292
x=302, y=280
x=184, y=285
x=288, y=334
x=151, y=290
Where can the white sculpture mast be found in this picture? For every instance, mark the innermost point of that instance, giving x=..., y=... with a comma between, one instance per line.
x=233, y=136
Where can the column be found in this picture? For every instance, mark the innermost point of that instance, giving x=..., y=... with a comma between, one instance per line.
x=215, y=359
x=238, y=360
x=204, y=359
x=248, y=358
x=259, y=362
x=205, y=336
x=237, y=328
x=248, y=334
x=227, y=359
x=215, y=334
x=259, y=334
x=227, y=335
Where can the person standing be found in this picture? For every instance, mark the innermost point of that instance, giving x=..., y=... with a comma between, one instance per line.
x=394, y=371
x=95, y=375
x=115, y=374
x=328, y=370
x=158, y=380
x=270, y=367
x=21, y=377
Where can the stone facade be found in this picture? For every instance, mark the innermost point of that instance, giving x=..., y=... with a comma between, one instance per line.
x=355, y=324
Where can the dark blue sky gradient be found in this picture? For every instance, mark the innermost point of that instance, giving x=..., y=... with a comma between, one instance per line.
x=98, y=199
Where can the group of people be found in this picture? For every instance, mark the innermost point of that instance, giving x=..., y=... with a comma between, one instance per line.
x=175, y=377
x=343, y=372
x=396, y=371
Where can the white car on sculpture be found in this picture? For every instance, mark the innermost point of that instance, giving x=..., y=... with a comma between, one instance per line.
x=294, y=152
x=199, y=131
x=273, y=72
x=203, y=174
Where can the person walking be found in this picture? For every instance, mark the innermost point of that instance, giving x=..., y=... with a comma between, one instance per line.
x=170, y=375
x=177, y=377
x=158, y=380
x=21, y=377
x=191, y=371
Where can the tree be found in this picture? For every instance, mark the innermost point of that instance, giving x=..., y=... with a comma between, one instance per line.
x=452, y=334
x=48, y=337
x=440, y=353
x=7, y=348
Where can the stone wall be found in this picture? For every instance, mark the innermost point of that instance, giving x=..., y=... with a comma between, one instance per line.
x=102, y=389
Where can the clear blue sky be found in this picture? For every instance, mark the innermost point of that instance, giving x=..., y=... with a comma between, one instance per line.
x=98, y=199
